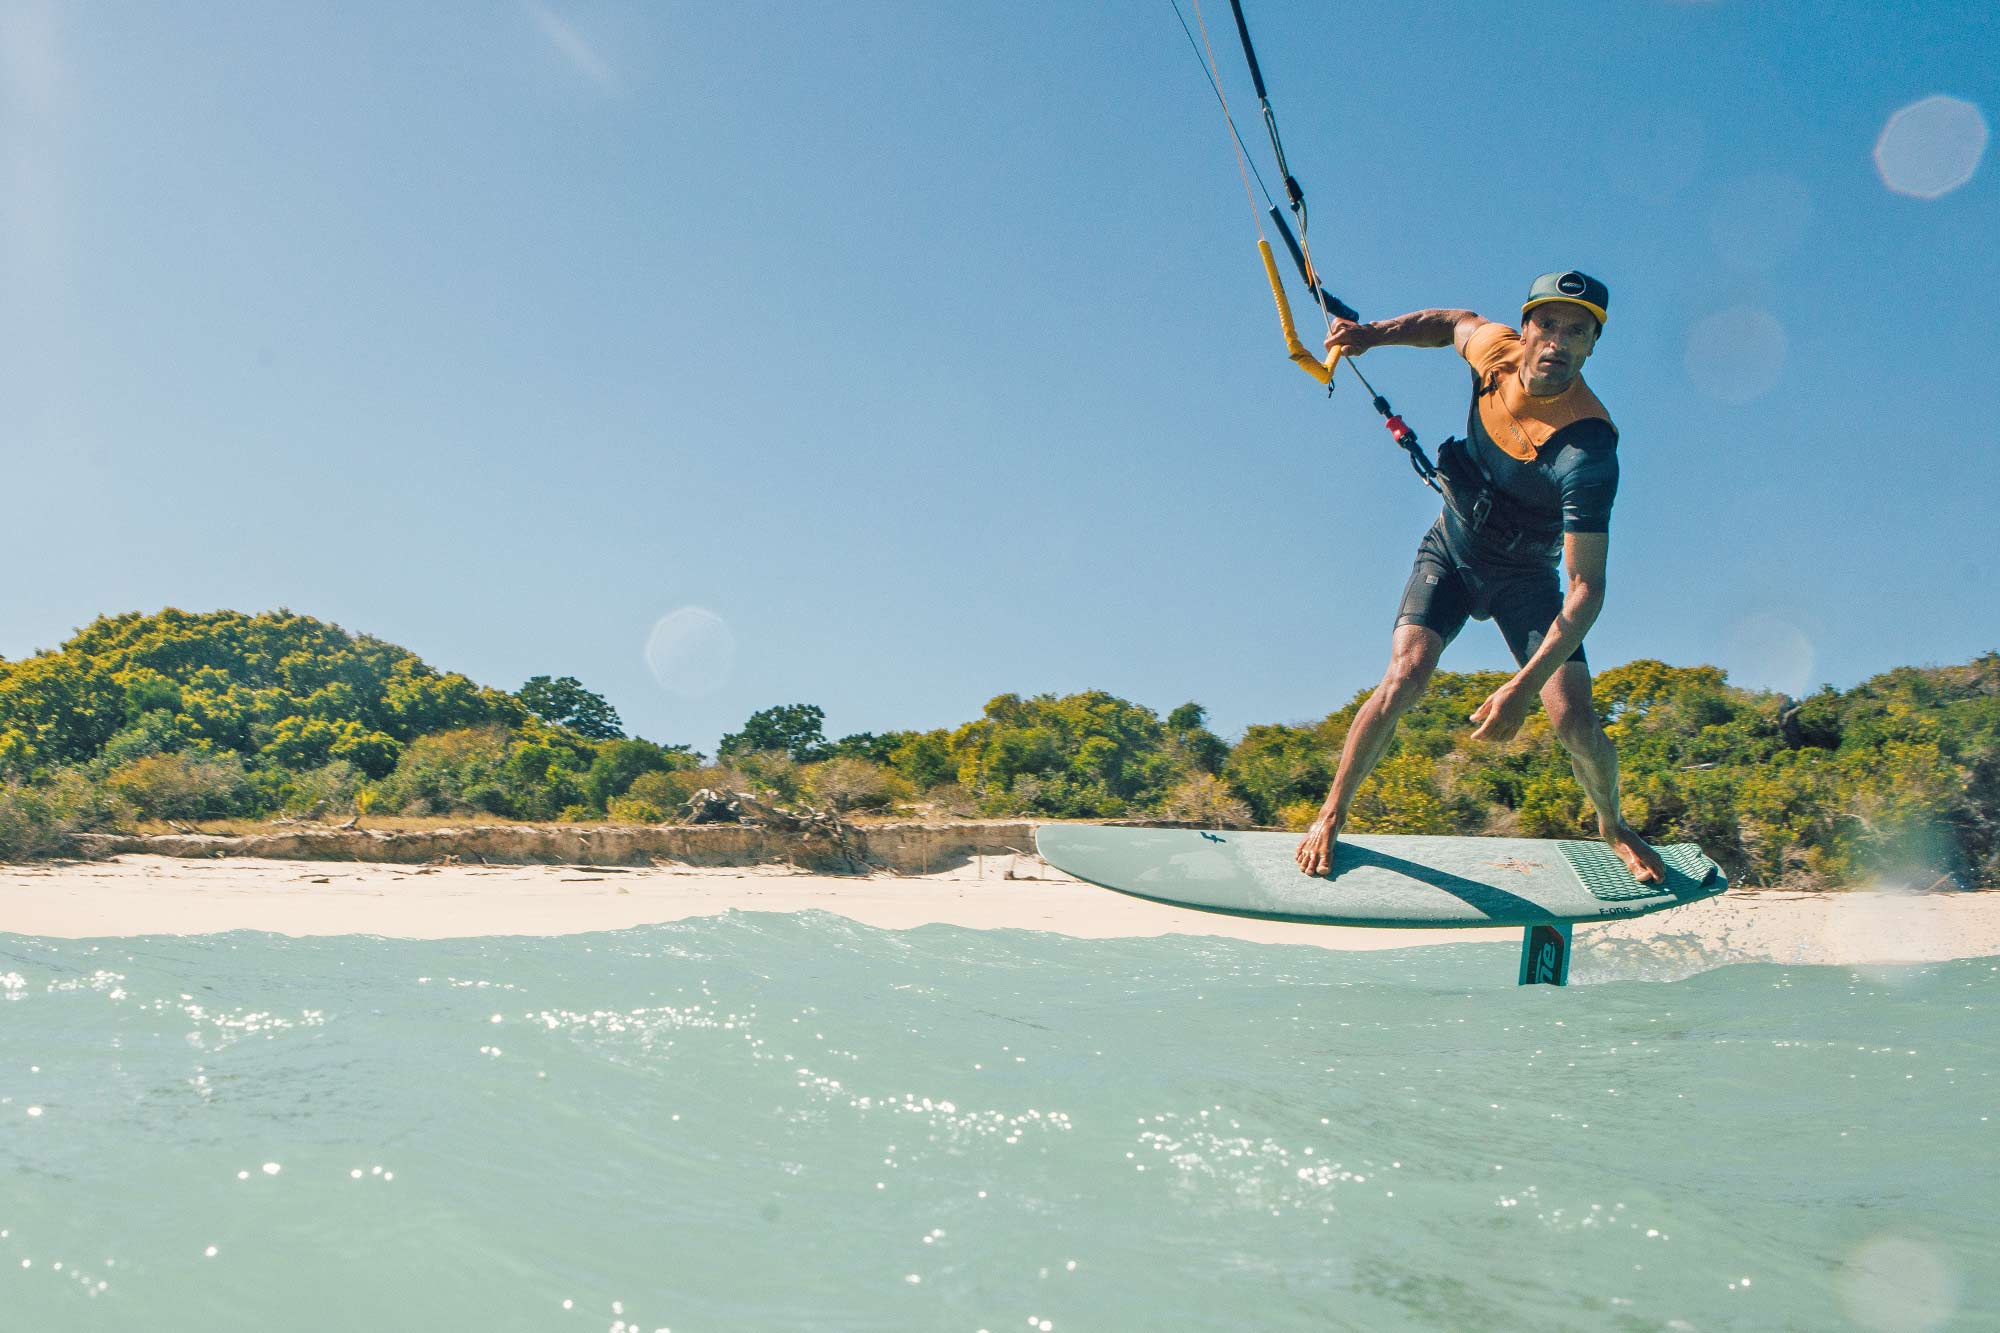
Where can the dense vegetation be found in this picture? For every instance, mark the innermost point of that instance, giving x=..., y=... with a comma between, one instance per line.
x=186, y=717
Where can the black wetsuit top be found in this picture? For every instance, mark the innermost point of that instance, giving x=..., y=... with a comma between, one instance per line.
x=1569, y=487
x=1506, y=570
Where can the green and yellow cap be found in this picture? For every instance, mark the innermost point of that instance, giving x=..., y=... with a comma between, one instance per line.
x=1576, y=288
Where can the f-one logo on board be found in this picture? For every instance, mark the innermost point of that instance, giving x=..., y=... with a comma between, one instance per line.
x=1546, y=963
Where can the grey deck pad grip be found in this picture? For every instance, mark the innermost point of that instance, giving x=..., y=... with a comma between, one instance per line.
x=1378, y=879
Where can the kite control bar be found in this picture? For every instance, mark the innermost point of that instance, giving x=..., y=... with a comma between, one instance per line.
x=1330, y=305
x=1399, y=430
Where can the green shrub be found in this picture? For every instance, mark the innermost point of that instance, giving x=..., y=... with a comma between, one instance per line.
x=28, y=830
x=632, y=810
x=320, y=793
x=62, y=707
x=302, y=743
x=1298, y=816
x=375, y=753
x=41, y=822
x=665, y=792
x=771, y=774
x=1052, y=796
x=1078, y=755
x=1206, y=799
x=189, y=785
x=1553, y=806
x=154, y=732
x=924, y=759
x=851, y=784
x=1401, y=796
x=619, y=763
x=451, y=773
x=951, y=801
x=1275, y=766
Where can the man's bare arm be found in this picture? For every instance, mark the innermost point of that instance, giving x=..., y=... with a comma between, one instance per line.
x=1419, y=328
x=1584, y=556
x=1584, y=553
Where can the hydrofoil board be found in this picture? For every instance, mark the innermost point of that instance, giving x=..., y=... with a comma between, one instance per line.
x=1386, y=880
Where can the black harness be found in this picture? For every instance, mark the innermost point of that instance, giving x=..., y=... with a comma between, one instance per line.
x=1484, y=510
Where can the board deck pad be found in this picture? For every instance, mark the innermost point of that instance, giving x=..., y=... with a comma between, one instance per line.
x=1600, y=870
x=1378, y=879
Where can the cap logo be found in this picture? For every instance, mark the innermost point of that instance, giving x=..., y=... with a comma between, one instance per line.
x=1572, y=284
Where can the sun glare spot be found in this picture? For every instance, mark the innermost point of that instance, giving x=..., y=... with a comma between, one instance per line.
x=1894, y=920
x=31, y=63
x=571, y=44
x=1757, y=222
x=1769, y=652
x=1893, y=1284
x=1736, y=355
x=1931, y=147
x=691, y=652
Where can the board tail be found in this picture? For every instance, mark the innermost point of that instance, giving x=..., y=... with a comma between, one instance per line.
x=1545, y=955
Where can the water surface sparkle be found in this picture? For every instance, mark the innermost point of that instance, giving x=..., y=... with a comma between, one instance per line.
x=768, y=1121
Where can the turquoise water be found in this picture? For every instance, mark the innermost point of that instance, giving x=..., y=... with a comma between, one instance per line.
x=767, y=1121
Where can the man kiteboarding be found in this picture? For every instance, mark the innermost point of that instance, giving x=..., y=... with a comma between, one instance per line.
x=1533, y=480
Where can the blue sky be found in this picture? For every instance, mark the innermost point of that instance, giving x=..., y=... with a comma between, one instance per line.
x=925, y=347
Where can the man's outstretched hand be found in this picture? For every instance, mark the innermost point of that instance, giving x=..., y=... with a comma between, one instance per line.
x=1502, y=714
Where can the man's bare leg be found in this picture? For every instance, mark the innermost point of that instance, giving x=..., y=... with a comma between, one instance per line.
x=1594, y=760
x=1413, y=655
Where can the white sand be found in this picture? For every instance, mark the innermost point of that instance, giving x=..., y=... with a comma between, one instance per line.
x=153, y=895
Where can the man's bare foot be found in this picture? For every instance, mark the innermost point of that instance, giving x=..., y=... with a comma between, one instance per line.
x=1315, y=853
x=1644, y=863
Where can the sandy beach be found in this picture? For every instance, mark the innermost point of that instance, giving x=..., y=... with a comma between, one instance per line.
x=154, y=895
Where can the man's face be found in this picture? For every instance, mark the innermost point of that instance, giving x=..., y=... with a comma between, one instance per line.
x=1558, y=338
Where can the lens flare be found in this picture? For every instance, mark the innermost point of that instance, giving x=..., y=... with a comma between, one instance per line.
x=691, y=652
x=1758, y=222
x=1881, y=931
x=1931, y=147
x=1768, y=652
x=1893, y=1284
x=1736, y=355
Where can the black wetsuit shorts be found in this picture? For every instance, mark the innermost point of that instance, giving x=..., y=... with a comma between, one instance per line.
x=1448, y=584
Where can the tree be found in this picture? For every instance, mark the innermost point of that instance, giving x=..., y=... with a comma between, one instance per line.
x=867, y=745
x=924, y=758
x=563, y=702
x=1198, y=747
x=620, y=763
x=796, y=729
x=1275, y=765
x=64, y=706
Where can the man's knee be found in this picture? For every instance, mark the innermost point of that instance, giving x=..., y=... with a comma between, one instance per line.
x=1413, y=656
x=1580, y=733
x=1572, y=713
